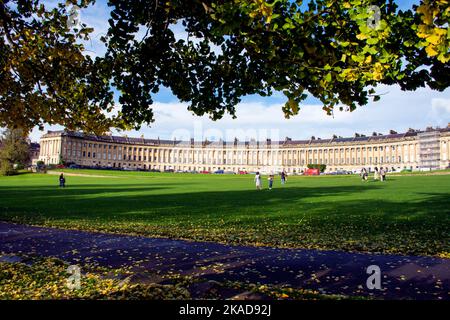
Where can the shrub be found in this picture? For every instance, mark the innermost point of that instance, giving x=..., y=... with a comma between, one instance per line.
x=6, y=168
x=14, y=151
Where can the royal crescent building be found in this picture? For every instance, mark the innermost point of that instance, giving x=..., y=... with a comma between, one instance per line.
x=414, y=149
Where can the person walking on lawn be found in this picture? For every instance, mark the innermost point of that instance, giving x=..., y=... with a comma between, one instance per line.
x=258, y=181
x=283, y=177
x=270, y=181
x=62, y=181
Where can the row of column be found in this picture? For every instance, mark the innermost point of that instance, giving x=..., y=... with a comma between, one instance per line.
x=233, y=156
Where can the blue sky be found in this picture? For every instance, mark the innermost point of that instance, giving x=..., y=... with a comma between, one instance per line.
x=260, y=117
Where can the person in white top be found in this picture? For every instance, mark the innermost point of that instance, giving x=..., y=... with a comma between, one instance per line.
x=376, y=175
x=258, y=181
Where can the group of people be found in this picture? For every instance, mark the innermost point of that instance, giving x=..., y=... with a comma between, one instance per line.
x=270, y=179
x=377, y=174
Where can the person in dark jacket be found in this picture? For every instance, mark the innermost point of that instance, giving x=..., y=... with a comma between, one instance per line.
x=283, y=177
x=382, y=174
x=364, y=174
x=62, y=181
x=270, y=181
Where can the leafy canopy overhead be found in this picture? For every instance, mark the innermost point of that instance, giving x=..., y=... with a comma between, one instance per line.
x=336, y=51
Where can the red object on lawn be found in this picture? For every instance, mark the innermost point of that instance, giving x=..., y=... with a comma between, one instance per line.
x=312, y=172
x=205, y=172
x=243, y=172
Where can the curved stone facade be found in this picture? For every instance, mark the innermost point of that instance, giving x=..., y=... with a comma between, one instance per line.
x=410, y=150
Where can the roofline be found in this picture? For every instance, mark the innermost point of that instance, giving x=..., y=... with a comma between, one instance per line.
x=287, y=142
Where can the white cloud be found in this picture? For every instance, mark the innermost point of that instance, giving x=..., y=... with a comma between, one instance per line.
x=397, y=110
x=440, y=111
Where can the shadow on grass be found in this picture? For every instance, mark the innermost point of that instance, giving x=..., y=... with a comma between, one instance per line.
x=129, y=197
x=130, y=201
x=31, y=193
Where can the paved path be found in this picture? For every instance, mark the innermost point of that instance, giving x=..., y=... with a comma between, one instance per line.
x=403, y=277
x=72, y=174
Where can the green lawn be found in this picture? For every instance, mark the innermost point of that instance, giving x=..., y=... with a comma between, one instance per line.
x=406, y=214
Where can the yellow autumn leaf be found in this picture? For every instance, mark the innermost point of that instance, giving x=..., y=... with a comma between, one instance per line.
x=427, y=17
x=362, y=36
x=440, y=31
x=434, y=39
x=430, y=51
x=378, y=71
x=444, y=58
